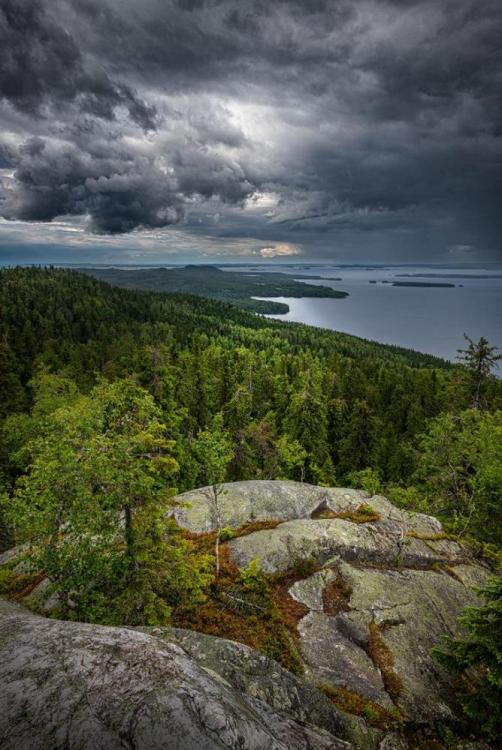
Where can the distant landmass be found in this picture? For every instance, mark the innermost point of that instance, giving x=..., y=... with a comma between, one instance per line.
x=452, y=275
x=239, y=288
x=421, y=283
x=412, y=283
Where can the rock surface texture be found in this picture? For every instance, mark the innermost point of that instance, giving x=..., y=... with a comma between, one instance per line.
x=79, y=686
x=383, y=594
x=381, y=588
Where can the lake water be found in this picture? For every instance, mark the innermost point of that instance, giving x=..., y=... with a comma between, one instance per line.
x=428, y=319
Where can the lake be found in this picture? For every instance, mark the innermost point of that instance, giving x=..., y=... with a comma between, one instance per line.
x=428, y=319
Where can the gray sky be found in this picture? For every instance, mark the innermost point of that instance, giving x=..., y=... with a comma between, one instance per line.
x=162, y=131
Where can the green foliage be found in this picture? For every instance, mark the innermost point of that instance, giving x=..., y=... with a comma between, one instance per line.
x=366, y=479
x=477, y=659
x=292, y=458
x=12, y=582
x=479, y=360
x=459, y=472
x=213, y=450
x=93, y=501
x=227, y=533
x=252, y=578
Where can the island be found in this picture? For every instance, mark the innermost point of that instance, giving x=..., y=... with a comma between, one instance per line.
x=238, y=288
x=422, y=283
x=452, y=275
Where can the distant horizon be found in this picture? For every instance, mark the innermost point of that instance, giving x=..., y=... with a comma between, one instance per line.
x=261, y=264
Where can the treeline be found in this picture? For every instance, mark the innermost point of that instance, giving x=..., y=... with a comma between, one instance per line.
x=294, y=401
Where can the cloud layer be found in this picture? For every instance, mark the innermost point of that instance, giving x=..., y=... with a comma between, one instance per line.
x=330, y=127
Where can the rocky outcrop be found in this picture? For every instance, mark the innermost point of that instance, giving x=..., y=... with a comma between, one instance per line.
x=381, y=587
x=383, y=594
x=242, y=503
x=406, y=612
x=73, y=685
x=258, y=677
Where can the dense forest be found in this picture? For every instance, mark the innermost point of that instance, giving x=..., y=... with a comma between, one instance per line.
x=292, y=401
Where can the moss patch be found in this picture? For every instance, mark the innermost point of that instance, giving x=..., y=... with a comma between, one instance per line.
x=261, y=616
x=291, y=610
x=353, y=703
x=250, y=528
x=383, y=659
x=362, y=513
x=18, y=585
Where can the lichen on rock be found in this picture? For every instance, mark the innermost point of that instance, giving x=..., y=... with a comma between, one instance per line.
x=365, y=598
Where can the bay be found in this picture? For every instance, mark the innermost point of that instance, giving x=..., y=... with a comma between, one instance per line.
x=427, y=319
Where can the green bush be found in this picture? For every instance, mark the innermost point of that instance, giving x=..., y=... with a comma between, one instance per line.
x=477, y=659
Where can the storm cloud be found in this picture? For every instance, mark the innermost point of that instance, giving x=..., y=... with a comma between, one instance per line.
x=331, y=127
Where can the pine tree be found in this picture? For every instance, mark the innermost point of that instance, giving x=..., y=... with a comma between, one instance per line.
x=477, y=659
x=479, y=359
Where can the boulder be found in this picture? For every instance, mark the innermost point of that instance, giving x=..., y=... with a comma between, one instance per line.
x=242, y=503
x=319, y=540
x=80, y=686
x=408, y=611
x=384, y=592
x=257, y=676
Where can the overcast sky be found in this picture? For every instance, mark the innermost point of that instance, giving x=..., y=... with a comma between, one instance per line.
x=160, y=131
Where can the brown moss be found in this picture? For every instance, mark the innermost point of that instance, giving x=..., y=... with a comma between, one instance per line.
x=383, y=659
x=450, y=571
x=424, y=738
x=363, y=513
x=291, y=610
x=33, y=580
x=206, y=539
x=250, y=528
x=265, y=633
x=376, y=715
x=266, y=628
x=202, y=541
x=336, y=595
x=18, y=585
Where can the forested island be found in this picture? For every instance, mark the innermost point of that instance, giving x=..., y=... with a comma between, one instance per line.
x=413, y=283
x=114, y=401
x=453, y=275
x=423, y=283
x=239, y=288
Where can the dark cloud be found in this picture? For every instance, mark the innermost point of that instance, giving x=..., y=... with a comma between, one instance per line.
x=117, y=190
x=369, y=122
x=42, y=67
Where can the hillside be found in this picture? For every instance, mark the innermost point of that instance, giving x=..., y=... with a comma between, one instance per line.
x=342, y=403
x=239, y=288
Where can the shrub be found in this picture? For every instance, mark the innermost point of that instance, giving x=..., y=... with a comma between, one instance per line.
x=477, y=659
